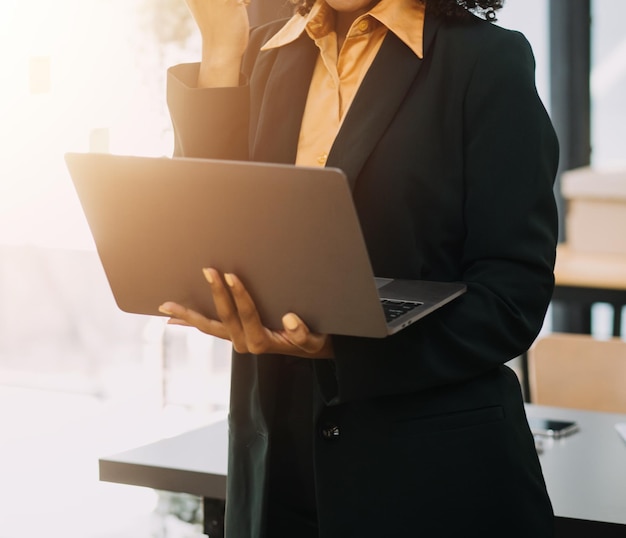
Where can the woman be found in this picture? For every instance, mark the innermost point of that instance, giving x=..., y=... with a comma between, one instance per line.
x=432, y=113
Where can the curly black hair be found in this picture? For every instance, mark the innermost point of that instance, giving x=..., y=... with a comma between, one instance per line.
x=444, y=8
x=456, y=8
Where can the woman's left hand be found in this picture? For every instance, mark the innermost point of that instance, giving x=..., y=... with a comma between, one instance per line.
x=239, y=322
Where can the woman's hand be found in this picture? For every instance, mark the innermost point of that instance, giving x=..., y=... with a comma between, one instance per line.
x=224, y=28
x=240, y=323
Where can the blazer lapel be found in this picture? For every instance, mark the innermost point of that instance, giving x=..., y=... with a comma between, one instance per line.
x=377, y=101
x=284, y=99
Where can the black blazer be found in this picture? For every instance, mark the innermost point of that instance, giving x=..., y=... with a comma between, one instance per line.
x=452, y=161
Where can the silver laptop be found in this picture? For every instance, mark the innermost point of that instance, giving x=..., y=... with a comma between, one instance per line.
x=291, y=234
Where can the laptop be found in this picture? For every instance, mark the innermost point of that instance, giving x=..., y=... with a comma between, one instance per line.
x=291, y=234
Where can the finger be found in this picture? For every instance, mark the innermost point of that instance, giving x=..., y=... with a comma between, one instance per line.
x=300, y=336
x=180, y=315
x=248, y=313
x=176, y=321
x=226, y=309
x=256, y=334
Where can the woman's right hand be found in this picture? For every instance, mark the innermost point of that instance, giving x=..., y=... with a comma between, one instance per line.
x=224, y=28
x=238, y=320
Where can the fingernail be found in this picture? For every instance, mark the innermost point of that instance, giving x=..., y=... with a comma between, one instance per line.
x=165, y=310
x=291, y=322
x=229, y=279
x=208, y=275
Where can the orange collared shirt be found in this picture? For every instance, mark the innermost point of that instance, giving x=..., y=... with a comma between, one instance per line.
x=338, y=75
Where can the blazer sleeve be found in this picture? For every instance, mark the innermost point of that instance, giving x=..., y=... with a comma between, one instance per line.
x=214, y=123
x=207, y=122
x=510, y=162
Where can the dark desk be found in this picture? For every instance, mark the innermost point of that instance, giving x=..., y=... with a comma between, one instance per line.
x=194, y=462
x=585, y=473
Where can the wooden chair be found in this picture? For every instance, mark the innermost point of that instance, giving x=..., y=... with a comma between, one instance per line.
x=578, y=371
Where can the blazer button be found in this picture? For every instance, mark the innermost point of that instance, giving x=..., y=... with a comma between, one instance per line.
x=330, y=432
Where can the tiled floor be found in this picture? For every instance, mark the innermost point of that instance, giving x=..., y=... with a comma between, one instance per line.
x=49, y=448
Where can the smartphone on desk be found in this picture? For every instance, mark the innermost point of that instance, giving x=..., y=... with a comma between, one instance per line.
x=551, y=428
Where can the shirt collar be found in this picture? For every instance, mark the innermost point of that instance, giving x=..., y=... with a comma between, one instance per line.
x=405, y=18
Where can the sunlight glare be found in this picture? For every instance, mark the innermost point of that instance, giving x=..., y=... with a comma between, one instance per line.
x=71, y=68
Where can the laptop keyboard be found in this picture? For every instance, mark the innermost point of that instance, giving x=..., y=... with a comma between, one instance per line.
x=394, y=308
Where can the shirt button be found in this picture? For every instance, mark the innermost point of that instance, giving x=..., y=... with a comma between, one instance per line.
x=321, y=159
x=330, y=432
x=364, y=25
